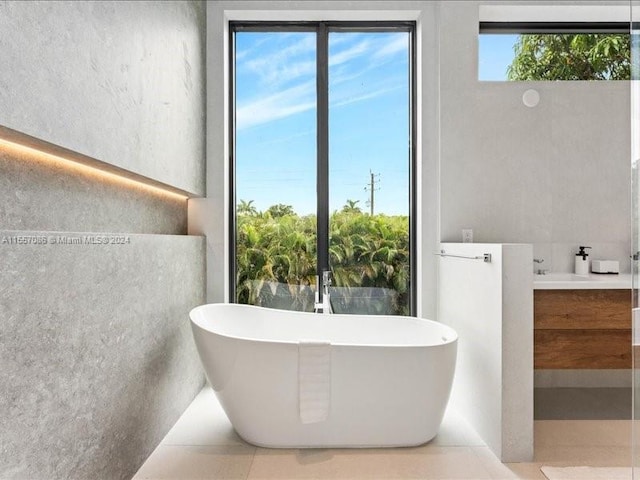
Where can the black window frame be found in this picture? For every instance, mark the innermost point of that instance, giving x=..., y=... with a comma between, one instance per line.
x=322, y=29
x=552, y=28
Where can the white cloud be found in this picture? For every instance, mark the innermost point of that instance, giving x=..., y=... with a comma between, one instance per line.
x=288, y=138
x=399, y=44
x=277, y=67
x=378, y=53
x=344, y=56
x=276, y=106
x=274, y=96
x=366, y=96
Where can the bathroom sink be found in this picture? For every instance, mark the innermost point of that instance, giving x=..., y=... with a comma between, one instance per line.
x=564, y=277
x=569, y=281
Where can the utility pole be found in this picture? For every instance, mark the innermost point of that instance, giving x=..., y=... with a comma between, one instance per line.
x=371, y=188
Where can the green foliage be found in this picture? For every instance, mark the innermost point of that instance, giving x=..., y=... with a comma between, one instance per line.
x=246, y=208
x=276, y=249
x=351, y=207
x=280, y=210
x=369, y=256
x=571, y=57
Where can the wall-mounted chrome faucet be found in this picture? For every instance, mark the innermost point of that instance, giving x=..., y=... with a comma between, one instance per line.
x=540, y=271
x=324, y=306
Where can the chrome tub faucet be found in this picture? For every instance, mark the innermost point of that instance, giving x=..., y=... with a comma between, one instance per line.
x=323, y=306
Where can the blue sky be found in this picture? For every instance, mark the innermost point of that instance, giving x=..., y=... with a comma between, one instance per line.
x=495, y=53
x=368, y=122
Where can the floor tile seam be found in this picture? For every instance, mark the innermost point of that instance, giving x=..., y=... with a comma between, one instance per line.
x=585, y=462
x=366, y=450
x=220, y=445
x=581, y=445
x=253, y=459
x=206, y=446
x=564, y=463
x=467, y=449
x=485, y=466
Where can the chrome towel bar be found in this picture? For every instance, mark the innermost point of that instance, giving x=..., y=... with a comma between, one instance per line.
x=486, y=257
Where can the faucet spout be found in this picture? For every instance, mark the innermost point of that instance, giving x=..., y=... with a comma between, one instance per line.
x=326, y=281
x=323, y=306
x=539, y=271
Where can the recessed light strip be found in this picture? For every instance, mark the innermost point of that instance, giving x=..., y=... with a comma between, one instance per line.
x=20, y=144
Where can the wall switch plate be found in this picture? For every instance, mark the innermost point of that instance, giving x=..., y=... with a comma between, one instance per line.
x=467, y=235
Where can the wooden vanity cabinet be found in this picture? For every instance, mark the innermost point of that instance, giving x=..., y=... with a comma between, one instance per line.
x=582, y=329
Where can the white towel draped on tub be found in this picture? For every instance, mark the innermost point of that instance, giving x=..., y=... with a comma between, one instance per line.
x=314, y=381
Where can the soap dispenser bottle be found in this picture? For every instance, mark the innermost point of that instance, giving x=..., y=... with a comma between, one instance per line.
x=582, y=262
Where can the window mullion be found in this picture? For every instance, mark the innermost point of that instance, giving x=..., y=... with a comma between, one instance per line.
x=322, y=180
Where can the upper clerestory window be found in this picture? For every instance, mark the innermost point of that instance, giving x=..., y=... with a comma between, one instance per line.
x=550, y=51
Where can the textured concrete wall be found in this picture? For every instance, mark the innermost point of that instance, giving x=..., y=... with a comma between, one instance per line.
x=39, y=195
x=96, y=356
x=96, y=351
x=120, y=81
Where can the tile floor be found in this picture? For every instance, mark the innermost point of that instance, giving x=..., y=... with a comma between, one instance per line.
x=202, y=445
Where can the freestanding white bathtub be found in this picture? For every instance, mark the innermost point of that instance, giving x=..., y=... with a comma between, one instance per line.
x=387, y=378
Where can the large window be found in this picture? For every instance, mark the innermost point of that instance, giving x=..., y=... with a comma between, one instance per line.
x=322, y=165
x=553, y=51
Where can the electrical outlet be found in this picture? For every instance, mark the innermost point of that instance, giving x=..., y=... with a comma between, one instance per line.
x=467, y=235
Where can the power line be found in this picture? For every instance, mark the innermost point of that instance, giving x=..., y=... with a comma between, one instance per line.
x=372, y=189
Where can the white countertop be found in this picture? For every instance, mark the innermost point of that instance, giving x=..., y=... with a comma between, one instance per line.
x=593, y=281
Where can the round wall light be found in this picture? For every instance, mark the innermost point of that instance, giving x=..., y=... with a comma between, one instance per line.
x=531, y=98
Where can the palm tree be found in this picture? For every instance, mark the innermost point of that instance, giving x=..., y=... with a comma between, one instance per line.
x=276, y=259
x=280, y=210
x=351, y=207
x=246, y=208
x=371, y=252
x=275, y=251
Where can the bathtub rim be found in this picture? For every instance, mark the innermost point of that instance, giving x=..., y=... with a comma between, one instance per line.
x=452, y=337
